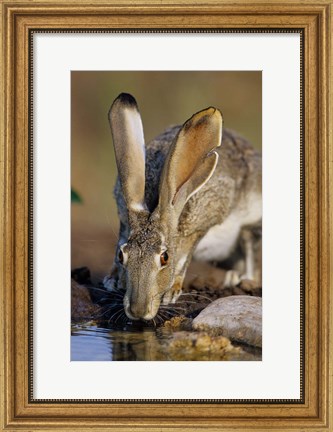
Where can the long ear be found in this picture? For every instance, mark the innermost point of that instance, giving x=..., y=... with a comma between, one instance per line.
x=128, y=141
x=191, y=160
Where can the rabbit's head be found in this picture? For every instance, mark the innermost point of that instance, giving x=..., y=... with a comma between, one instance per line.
x=149, y=258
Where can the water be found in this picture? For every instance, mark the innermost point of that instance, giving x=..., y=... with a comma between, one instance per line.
x=92, y=343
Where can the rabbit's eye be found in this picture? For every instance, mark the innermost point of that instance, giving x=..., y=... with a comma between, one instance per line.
x=121, y=256
x=164, y=258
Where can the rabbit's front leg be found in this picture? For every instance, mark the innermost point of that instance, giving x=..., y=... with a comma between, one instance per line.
x=235, y=277
x=173, y=294
x=248, y=247
x=110, y=281
x=115, y=280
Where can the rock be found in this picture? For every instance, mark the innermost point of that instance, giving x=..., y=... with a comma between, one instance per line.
x=82, y=308
x=81, y=275
x=238, y=318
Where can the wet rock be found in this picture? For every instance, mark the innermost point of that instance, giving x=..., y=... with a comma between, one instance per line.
x=178, y=341
x=177, y=323
x=236, y=317
x=197, y=346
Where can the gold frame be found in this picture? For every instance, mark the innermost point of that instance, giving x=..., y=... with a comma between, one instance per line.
x=315, y=411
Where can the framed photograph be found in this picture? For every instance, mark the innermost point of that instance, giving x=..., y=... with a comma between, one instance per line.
x=166, y=216
x=141, y=317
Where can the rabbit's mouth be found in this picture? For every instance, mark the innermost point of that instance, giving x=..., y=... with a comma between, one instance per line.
x=149, y=316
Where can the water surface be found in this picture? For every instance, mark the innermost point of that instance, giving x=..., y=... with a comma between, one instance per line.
x=92, y=343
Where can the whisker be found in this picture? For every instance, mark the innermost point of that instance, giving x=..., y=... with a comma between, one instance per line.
x=160, y=318
x=193, y=274
x=164, y=316
x=112, y=316
x=109, y=293
x=205, y=283
x=117, y=290
x=185, y=302
x=168, y=312
x=117, y=295
x=121, y=315
x=124, y=319
x=171, y=306
x=110, y=309
x=98, y=289
x=174, y=312
x=113, y=305
x=196, y=295
x=114, y=289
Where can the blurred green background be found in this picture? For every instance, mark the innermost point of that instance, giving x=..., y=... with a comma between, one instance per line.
x=164, y=98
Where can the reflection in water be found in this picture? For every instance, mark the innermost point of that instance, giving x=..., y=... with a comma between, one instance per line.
x=90, y=343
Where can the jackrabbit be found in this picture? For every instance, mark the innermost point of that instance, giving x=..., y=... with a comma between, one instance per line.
x=188, y=193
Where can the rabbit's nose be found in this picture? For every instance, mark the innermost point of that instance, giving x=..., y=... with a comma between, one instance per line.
x=138, y=311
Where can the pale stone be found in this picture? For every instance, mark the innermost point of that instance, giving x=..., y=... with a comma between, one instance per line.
x=238, y=318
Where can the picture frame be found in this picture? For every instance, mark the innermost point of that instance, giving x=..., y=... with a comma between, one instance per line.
x=18, y=410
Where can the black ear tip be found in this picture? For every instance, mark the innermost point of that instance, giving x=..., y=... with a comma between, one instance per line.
x=127, y=99
x=124, y=100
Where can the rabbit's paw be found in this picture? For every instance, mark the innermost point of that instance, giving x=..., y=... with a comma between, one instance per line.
x=176, y=294
x=172, y=295
x=247, y=284
x=110, y=283
x=232, y=279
